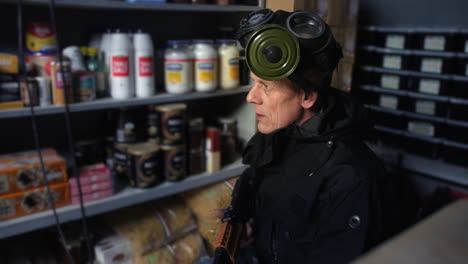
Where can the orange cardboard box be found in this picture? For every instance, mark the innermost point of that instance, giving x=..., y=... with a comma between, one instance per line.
x=22, y=171
x=33, y=201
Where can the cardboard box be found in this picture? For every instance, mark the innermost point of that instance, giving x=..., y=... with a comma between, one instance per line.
x=33, y=201
x=91, y=174
x=8, y=63
x=92, y=187
x=89, y=197
x=22, y=171
x=113, y=250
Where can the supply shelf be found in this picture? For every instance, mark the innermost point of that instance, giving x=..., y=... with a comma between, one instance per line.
x=109, y=103
x=126, y=197
x=122, y=5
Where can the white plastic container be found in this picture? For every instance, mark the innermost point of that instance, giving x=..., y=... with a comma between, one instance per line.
x=178, y=67
x=206, y=76
x=74, y=54
x=120, y=74
x=228, y=64
x=144, y=64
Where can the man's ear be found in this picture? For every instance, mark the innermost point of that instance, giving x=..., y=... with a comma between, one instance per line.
x=309, y=100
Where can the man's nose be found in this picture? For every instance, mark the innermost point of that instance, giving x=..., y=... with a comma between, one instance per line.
x=252, y=96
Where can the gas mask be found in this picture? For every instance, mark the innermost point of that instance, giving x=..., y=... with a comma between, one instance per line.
x=282, y=44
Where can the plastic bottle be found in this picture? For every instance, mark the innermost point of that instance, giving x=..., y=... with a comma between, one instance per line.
x=178, y=67
x=92, y=64
x=228, y=64
x=120, y=78
x=144, y=61
x=206, y=78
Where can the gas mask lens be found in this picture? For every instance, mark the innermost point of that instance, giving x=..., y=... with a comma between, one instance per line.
x=305, y=25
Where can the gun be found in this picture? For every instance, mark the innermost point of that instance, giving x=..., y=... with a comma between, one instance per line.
x=232, y=227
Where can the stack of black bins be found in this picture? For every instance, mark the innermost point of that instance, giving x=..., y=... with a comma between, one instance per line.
x=414, y=81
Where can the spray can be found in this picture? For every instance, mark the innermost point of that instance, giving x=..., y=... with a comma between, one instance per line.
x=144, y=69
x=120, y=78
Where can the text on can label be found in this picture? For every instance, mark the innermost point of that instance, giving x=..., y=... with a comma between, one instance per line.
x=145, y=66
x=120, y=66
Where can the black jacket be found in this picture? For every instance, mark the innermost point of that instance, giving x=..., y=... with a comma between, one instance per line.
x=317, y=188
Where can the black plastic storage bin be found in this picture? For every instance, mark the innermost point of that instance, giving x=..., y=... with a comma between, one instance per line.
x=425, y=107
x=460, y=41
x=390, y=61
x=392, y=38
x=391, y=81
x=459, y=88
x=422, y=146
x=459, y=112
x=433, y=40
x=457, y=133
x=431, y=64
x=425, y=128
x=461, y=65
x=387, y=118
x=429, y=86
x=366, y=97
x=454, y=152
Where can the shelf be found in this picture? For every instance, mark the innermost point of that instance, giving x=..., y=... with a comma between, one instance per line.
x=412, y=30
x=437, y=98
x=121, y=5
x=414, y=73
x=419, y=116
x=127, y=197
x=430, y=167
x=109, y=103
x=407, y=52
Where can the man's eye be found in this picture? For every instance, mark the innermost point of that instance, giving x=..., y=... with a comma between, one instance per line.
x=266, y=86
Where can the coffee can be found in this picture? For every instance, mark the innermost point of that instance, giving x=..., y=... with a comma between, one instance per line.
x=172, y=123
x=144, y=165
x=174, y=162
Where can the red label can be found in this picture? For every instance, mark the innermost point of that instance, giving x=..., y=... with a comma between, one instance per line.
x=120, y=66
x=145, y=66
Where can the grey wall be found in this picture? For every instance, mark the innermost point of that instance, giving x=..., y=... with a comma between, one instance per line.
x=427, y=13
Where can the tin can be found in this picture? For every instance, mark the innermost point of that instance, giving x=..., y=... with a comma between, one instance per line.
x=174, y=162
x=197, y=162
x=44, y=90
x=126, y=127
x=172, y=123
x=61, y=89
x=120, y=160
x=153, y=122
x=144, y=165
x=31, y=97
x=84, y=84
x=196, y=134
x=213, y=149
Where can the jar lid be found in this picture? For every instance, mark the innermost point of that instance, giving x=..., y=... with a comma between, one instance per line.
x=171, y=107
x=226, y=41
x=178, y=42
x=202, y=41
x=142, y=148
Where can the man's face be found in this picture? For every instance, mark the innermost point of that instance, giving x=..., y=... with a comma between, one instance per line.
x=277, y=103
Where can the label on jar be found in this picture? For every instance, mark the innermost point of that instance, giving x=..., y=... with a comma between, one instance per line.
x=175, y=70
x=4, y=185
x=174, y=163
x=392, y=62
x=145, y=169
x=395, y=41
x=86, y=88
x=153, y=126
x=126, y=134
x=206, y=70
x=434, y=43
x=390, y=81
x=425, y=107
x=173, y=128
x=433, y=65
x=429, y=86
x=234, y=69
x=7, y=208
x=421, y=128
x=120, y=66
x=389, y=101
x=120, y=161
x=145, y=66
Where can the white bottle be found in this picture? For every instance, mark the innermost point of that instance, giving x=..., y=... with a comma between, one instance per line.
x=120, y=67
x=178, y=67
x=206, y=77
x=228, y=64
x=144, y=64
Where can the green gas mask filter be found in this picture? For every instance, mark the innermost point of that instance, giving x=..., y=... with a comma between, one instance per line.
x=279, y=44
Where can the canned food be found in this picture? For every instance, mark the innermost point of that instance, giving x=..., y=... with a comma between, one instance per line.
x=172, y=123
x=197, y=162
x=153, y=125
x=61, y=89
x=84, y=84
x=126, y=127
x=144, y=165
x=40, y=38
x=120, y=159
x=174, y=162
x=213, y=149
x=196, y=134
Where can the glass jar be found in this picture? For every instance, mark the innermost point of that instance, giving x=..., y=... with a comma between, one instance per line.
x=228, y=64
x=206, y=77
x=178, y=67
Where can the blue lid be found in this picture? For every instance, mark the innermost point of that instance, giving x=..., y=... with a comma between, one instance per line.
x=202, y=41
x=225, y=41
x=178, y=42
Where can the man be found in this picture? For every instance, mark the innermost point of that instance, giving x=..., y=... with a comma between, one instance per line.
x=314, y=181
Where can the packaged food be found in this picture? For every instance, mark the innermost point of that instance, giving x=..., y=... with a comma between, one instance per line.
x=145, y=165
x=113, y=250
x=172, y=123
x=174, y=162
x=22, y=171
x=33, y=201
x=203, y=202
